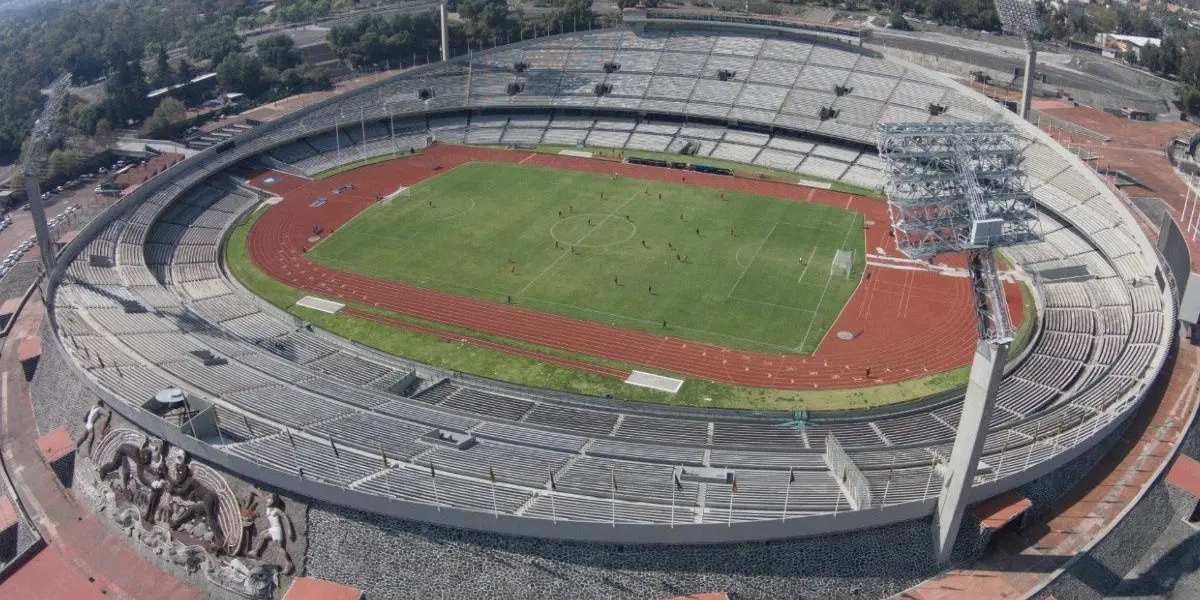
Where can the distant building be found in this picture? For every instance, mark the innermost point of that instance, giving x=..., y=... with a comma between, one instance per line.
x=190, y=92
x=1122, y=43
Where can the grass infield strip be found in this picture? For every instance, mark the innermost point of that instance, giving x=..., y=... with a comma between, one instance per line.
x=733, y=269
x=502, y=366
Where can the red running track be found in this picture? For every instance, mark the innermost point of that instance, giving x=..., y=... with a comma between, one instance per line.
x=912, y=321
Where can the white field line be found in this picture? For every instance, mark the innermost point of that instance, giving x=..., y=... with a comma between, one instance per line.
x=580, y=240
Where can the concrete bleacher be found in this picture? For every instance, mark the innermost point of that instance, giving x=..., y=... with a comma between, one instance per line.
x=315, y=407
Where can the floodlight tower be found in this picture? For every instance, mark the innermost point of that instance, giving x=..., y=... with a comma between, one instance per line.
x=960, y=188
x=442, y=18
x=34, y=165
x=1020, y=17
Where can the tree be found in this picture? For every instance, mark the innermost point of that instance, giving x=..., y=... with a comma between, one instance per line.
x=241, y=73
x=215, y=43
x=1172, y=56
x=184, y=71
x=899, y=23
x=278, y=52
x=305, y=78
x=104, y=136
x=125, y=92
x=85, y=65
x=63, y=161
x=163, y=75
x=1151, y=58
x=374, y=40
x=571, y=15
x=1189, y=99
x=85, y=117
x=486, y=19
x=169, y=113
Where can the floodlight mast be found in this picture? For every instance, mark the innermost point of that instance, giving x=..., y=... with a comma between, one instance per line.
x=1021, y=18
x=960, y=188
x=34, y=163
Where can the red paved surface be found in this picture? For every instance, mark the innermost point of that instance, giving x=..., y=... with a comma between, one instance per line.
x=1185, y=475
x=307, y=588
x=998, y=511
x=142, y=173
x=912, y=321
x=82, y=559
x=1025, y=561
x=48, y=575
x=1136, y=148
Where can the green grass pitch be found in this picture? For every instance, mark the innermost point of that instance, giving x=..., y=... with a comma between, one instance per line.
x=757, y=276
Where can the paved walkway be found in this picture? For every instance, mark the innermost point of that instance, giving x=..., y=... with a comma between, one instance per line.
x=1021, y=564
x=83, y=559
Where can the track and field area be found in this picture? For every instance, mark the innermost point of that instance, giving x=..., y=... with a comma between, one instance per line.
x=730, y=268
x=907, y=321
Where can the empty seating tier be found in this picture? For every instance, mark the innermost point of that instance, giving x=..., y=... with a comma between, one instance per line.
x=312, y=408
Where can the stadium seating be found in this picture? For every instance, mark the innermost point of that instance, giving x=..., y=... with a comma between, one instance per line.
x=309, y=405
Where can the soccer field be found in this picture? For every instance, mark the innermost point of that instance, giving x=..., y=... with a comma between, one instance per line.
x=738, y=270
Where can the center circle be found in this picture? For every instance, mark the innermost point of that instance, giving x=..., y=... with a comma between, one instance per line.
x=592, y=230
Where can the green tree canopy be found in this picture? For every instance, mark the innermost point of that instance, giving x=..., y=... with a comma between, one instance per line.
x=169, y=113
x=278, y=52
x=241, y=73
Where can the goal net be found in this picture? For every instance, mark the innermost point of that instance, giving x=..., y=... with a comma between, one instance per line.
x=843, y=262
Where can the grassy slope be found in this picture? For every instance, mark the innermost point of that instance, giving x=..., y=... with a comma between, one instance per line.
x=768, y=287
x=499, y=365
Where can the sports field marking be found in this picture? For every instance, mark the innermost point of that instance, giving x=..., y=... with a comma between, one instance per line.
x=514, y=208
x=737, y=257
x=807, y=264
x=824, y=290
x=773, y=304
x=747, y=267
x=566, y=252
x=580, y=243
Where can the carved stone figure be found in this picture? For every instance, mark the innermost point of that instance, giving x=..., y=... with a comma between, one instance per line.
x=126, y=454
x=184, y=512
x=204, y=504
x=277, y=517
x=97, y=416
x=249, y=513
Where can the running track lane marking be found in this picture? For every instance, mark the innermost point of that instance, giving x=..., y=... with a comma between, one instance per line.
x=489, y=345
x=656, y=174
x=526, y=159
x=824, y=290
x=565, y=251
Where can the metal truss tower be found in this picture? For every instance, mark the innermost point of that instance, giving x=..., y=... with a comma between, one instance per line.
x=1022, y=18
x=960, y=188
x=34, y=164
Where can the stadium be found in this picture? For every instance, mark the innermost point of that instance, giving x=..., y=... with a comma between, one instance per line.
x=390, y=200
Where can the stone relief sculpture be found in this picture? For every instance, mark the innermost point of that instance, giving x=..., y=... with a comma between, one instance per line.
x=277, y=517
x=197, y=501
x=98, y=416
x=186, y=513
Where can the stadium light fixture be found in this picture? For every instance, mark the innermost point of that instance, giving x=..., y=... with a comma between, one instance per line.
x=959, y=188
x=1023, y=18
x=34, y=165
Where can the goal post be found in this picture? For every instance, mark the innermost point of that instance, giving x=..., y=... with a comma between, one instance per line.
x=843, y=263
